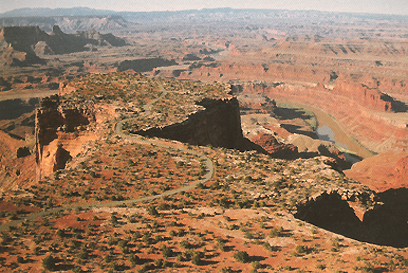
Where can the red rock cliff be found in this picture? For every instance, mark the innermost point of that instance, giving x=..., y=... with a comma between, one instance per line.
x=218, y=125
x=58, y=129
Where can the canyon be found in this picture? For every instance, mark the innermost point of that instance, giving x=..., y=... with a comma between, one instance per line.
x=248, y=121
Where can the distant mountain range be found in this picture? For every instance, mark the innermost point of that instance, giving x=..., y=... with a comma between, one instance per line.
x=82, y=19
x=134, y=16
x=45, y=12
x=70, y=24
x=20, y=46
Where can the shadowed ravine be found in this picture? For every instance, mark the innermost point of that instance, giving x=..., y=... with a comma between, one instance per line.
x=386, y=224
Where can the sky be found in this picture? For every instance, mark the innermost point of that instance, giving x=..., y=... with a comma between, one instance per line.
x=363, y=6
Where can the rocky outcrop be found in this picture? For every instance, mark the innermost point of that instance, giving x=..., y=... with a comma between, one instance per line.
x=274, y=147
x=69, y=24
x=219, y=124
x=56, y=125
x=256, y=103
x=330, y=211
x=401, y=170
x=16, y=46
x=61, y=157
x=364, y=96
x=382, y=172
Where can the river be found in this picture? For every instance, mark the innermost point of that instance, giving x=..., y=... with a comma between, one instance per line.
x=325, y=133
x=329, y=130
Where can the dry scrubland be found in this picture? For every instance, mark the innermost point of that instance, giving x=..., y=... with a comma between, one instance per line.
x=109, y=200
x=240, y=220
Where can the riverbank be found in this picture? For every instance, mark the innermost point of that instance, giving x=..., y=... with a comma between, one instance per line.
x=321, y=119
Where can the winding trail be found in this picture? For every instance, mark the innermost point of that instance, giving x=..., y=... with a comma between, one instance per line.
x=140, y=140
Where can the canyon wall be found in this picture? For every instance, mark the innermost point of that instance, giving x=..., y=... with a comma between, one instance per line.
x=361, y=111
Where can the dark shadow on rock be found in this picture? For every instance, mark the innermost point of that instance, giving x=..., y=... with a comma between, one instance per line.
x=386, y=224
x=294, y=129
x=330, y=212
x=23, y=152
x=291, y=113
x=12, y=109
x=62, y=156
x=396, y=106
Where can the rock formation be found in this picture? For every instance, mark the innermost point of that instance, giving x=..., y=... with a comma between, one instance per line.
x=59, y=129
x=275, y=148
x=357, y=108
x=69, y=24
x=19, y=46
x=218, y=125
x=382, y=172
x=384, y=224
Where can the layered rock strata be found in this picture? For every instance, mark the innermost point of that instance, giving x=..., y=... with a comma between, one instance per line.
x=361, y=111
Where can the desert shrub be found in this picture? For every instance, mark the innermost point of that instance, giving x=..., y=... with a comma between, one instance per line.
x=276, y=232
x=248, y=235
x=152, y=211
x=268, y=246
x=166, y=251
x=196, y=259
x=133, y=259
x=20, y=259
x=368, y=267
x=221, y=246
x=256, y=265
x=302, y=249
x=320, y=267
x=225, y=270
x=49, y=262
x=36, y=250
x=241, y=256
x=185, y=244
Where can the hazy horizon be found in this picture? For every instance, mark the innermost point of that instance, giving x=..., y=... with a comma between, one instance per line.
x=397, y=7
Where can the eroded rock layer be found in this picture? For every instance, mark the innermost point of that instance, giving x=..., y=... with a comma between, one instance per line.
x=59, y=131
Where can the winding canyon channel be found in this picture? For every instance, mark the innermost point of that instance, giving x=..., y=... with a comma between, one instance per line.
x=328, y=129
